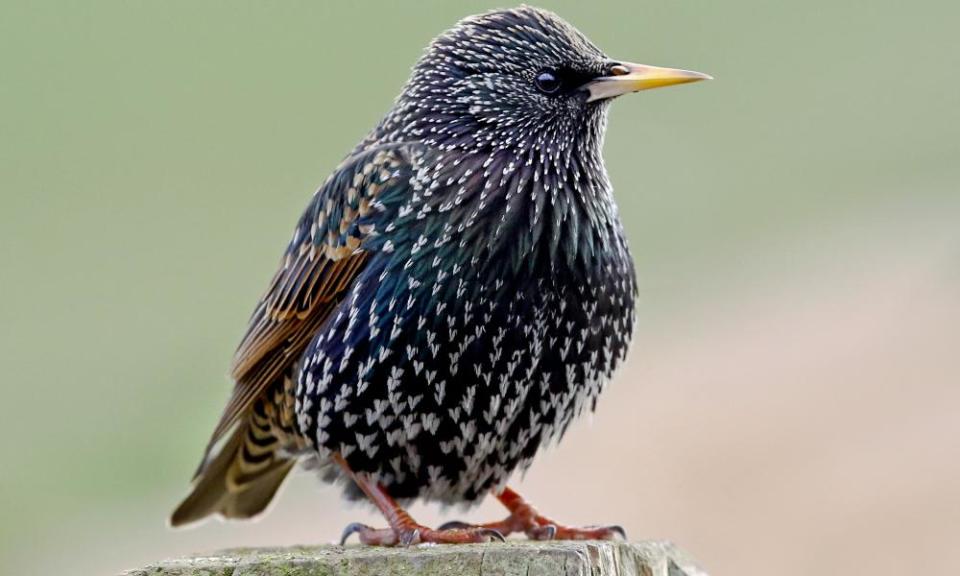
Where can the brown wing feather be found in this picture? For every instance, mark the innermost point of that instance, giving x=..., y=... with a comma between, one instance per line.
x=276, y=338
x=319, y=266
x=287, y=305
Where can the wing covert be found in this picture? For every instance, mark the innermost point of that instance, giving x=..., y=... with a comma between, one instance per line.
x=324, y=256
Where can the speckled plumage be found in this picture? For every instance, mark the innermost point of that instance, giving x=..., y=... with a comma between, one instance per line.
x=456, y=292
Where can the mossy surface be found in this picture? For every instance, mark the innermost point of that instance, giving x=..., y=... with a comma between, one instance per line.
x=513, y=558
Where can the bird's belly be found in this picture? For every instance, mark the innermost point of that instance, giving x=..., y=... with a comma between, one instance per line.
x=446, y=400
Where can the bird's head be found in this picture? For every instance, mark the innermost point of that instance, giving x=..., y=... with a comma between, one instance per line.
x=520, y=79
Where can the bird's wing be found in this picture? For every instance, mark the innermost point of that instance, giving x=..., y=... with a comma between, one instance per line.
x=323, y=258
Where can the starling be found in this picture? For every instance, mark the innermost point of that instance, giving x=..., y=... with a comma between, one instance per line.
x=455, y=294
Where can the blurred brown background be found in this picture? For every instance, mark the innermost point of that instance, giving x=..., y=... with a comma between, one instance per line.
x=791, y=403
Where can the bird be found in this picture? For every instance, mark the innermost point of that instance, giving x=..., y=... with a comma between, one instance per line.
x=455, y=294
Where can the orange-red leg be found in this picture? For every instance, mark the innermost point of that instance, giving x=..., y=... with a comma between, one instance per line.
x=525, y=518
x=403, y=529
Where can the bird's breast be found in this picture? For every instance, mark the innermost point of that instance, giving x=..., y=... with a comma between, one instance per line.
x=474, y=334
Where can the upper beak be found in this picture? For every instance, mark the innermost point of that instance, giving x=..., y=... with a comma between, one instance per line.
x=628, y=77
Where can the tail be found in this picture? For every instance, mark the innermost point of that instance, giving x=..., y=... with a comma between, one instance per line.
x=241, y=480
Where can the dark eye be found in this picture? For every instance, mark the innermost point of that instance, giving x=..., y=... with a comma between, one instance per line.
x=548, y=81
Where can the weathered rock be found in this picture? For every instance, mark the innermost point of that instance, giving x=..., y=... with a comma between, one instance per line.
x=519, y=558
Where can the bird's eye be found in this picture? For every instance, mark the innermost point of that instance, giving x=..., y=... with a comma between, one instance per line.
x=548, y=81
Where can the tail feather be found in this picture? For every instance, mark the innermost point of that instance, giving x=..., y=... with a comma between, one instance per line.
x=241, y=480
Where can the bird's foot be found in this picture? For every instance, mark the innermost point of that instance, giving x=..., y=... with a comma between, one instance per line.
x=525, y=518
x=611, y=532
x=408, y=535
x=542, y=528
x=404, y=530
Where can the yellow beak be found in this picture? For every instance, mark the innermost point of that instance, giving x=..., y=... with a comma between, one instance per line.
x=627, y=77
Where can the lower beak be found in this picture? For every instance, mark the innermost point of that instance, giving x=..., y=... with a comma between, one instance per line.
x=627, y=77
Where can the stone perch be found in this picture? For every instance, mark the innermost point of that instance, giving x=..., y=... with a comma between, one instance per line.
x=520, y=558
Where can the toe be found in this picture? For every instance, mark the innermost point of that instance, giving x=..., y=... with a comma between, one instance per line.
x=370, y=536
x=353, y=528
x=590, y=533
x=462, y=535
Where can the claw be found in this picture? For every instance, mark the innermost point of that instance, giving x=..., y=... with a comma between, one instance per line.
x=408, y=538
x=619, y=530
x=352, y=528
x=493, y=534
x=542, y=532
x=454, y=525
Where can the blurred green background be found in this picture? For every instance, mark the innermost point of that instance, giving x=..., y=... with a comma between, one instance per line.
x=790, y=405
